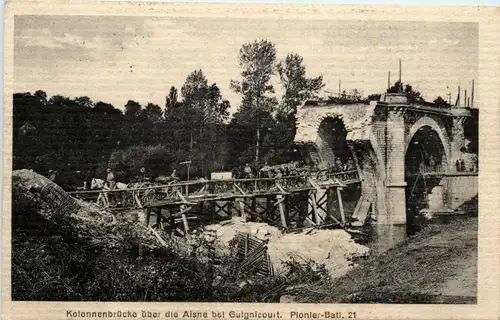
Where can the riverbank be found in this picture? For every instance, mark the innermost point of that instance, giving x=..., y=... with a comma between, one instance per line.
x=436, y=265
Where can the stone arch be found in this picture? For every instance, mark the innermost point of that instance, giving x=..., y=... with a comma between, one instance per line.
x=369, y=163
x=441, y=132
x=429, y=193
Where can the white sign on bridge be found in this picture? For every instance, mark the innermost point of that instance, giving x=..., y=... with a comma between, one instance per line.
x=221, y=175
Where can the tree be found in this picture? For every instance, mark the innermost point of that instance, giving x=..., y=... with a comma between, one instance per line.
x=216, y=108
x=106, y=108
x=355, y=94
x=412, y=95
x=440, y=102
x=60, y=101
x=132, y=109
x=84, y=102
x=195, y=89
x=171, y=100
x=298, y=87
x=204, y=113
x=258, y=61
x=374, y=97
x=42, y=96
x=152, y=112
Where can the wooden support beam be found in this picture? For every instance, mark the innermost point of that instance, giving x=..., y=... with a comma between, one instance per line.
x=148, y=216
x=136, y=198
x=341, y=205
x=183, y=211
x=283, y=217
x=180, y=231
x=246, y=244
x=312, y=195
x=224, y=208
x=160, y=240
x=309, y=219
x=239, y=189
x=280, y=188
x=356, y=209
x=314, y=184
x=242, y=210
x=181, y=196
x=184, y=218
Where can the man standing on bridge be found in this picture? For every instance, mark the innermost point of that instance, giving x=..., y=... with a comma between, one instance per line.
x=265, y=171
x=247, y=171
x=110, y=180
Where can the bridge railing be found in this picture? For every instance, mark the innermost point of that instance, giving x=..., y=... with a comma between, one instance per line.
x=182, y=190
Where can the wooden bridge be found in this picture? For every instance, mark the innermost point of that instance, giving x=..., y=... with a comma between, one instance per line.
x=310, y=199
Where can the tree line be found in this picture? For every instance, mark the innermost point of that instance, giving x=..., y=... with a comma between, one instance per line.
x=70, y=134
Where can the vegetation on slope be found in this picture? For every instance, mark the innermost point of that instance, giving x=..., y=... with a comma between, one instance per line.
x=413, y=271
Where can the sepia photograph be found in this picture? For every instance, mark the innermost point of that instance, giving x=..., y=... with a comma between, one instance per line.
x=170, y=158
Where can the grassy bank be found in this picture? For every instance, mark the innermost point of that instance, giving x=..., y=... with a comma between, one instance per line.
x=415, y=271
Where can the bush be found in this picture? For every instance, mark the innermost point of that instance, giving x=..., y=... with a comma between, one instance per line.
x=127, y=163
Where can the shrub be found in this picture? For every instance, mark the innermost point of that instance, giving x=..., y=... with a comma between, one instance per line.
x=127, y=163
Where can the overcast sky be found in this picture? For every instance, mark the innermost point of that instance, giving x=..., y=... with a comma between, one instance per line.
x=116, y=59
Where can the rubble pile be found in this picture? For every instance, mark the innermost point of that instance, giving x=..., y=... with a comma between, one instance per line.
x=334, y=249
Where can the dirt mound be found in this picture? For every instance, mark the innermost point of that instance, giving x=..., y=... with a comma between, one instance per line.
x=33, y=193
x=334, y=249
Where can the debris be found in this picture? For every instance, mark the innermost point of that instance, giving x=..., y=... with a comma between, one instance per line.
x=333, y=248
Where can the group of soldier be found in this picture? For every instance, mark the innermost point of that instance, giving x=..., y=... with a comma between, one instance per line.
x=291, y=169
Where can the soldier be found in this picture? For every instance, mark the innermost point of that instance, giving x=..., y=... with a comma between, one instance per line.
x=248, y=171
x=265, y=171
x=111, y=183
x=142, y=175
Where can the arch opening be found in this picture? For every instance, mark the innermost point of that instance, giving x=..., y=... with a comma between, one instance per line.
x=333, y=133
x=425, y=164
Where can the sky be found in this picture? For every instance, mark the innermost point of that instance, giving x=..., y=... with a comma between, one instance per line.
x=115, y=59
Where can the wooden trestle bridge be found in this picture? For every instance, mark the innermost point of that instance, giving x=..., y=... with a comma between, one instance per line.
x=292, y=202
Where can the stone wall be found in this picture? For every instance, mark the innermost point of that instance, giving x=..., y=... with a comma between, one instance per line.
x=355, y=117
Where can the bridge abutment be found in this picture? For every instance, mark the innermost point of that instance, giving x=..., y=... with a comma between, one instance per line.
x=395, y=168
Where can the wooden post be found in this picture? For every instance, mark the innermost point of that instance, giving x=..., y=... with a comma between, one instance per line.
x=341, y=205
x=246, y=244
x=184, y=218
x=472, y=95
x=280, y=200
x=136, y=198
x=304, y=207
x=148, y=216
x=269, y=206
x=242, y=210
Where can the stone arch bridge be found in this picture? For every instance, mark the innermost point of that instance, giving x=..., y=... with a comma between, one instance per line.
x=397, y=147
